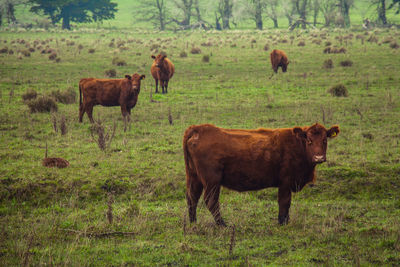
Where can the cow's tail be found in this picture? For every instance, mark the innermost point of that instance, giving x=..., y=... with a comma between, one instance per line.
x=80, y=95
x=192, y=179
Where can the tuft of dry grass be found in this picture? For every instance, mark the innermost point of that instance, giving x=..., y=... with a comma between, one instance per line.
x=53, y=56
x=118, y=62
x=346, y=63
x=91, y=50
x=29, y=95
x=42, y=104
x=65, y=97
x=394, y=45
x=301, y=43
x=206, y=58
x=328, y=64
x=183, y=54
x=195, y=50
x=111, y=73
x=266, y=47
x=339, y=90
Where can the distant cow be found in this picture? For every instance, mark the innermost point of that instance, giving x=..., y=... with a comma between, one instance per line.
x=109, y=92
x=162, y=70
x=279, y=59
x=245, y=160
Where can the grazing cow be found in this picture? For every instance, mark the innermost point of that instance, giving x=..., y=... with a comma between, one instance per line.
x=279, y=59
x=109, y=92
x=244, y=160
x=162, y=70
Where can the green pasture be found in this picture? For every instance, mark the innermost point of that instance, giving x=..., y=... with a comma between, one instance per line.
x=51, y=216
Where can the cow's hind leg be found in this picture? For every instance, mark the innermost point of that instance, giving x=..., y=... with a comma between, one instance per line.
x=193, y=193
x=166, y=86
x=211, y=197
x=89, y=111
x=81, y=112
x=162, y=86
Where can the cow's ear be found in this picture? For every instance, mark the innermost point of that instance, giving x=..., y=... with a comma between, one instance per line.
x=142, y=77
x=333, y=131
x=299, y=132
x=128, y=77
x=153, y=56
x=164, y=56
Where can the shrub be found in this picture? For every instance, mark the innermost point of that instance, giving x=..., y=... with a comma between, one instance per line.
x=338, y=90
x=346, y=63
x=42, y=104
x=118, y=62
x=29, y=95
x=328, y=64
x=195, y=50
x=65, y=97
x=206, y=58
x=394, y=45
x=111, y=73
x=183, y=54
x=53, y=56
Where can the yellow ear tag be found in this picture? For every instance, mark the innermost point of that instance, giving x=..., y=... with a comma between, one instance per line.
x=333, y=134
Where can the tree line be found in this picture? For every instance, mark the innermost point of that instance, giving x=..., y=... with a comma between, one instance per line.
x=217, y=14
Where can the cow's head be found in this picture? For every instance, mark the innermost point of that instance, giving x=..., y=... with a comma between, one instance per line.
x=159, y=60
x=135, y=80
x=315, y=141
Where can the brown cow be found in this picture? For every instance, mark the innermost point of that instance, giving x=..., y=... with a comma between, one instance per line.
x=109, y=92
x=162, y=70
x=279, y=59
x=244, y=160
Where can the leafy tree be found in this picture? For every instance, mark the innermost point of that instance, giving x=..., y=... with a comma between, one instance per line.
x=74, y=10
x=224, y=12
x=344, y=9
x=7, y=8
x=395, y=3
x=255, y=9
x=186, y=7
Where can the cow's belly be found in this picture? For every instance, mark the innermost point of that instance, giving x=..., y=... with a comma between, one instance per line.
x=249, y=178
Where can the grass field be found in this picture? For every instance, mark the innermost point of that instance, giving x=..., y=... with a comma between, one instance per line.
x=51, y=216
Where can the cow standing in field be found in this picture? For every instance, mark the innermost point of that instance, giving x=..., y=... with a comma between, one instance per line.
x=162, y=70
x=245, y=160
x=279, y=59
x=109, y=92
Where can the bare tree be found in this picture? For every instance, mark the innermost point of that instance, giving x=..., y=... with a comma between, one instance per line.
x=289, y=10
x=255, y=8
x=8, y=8
x=344, y=9
x=154, y=11
x=328, y=9
x=185, y=6
x=272, y=11
x=301, y=8
x=316, y=7
x=224, y=13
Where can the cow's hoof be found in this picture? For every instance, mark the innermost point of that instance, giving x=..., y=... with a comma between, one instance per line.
x=283, y=220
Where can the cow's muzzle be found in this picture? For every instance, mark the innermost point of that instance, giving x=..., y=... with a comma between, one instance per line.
x=319, y=158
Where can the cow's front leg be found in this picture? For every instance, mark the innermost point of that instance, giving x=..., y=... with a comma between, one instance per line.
x=162, y=86
x=284, y=199
x=125, y=115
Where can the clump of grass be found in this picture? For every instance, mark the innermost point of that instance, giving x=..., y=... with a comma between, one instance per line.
x=346, y=63
x=253, y=41
x=283, y=41
x=111, y=73
x=118, y=62
x=266, y=47
x=65, y=97
x=99, y=134
x=26, y=53
x=111, y=45
x=91, y=50
x=31, y=49
x=334, y=50
x=63, y=125
x=42, y=104
x=394, y=45
x=338, y=90
x=4, y=50
x=29, y=95
x=70, y=43
x=10, y=52
x=58, y=60
x=195, y=50
x=328, y=64
x=372, y=39
x=53, y=56
x=233, y=45
x=183, y=54
x=207, y=44
x=206, y=58
x=316, y=41
x=301, y=43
